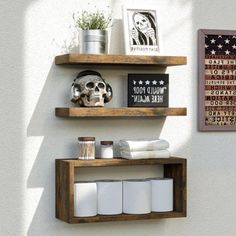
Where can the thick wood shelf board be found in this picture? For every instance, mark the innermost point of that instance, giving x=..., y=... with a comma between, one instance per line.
x=119, y=112
x=124, y=217
x=86, y=59
x=118, y=161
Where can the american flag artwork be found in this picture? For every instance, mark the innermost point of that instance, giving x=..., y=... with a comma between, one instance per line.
x=219, y=76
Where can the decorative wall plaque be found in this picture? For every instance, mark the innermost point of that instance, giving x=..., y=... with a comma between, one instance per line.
x=141, y=31
x=217, y=80
x=148, y=90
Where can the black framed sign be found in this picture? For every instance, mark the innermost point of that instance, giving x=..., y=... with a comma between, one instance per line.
x=148, y=90
x=217, y=80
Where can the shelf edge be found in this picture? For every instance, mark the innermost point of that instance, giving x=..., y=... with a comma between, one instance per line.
x=77, y=112
x=112, y=59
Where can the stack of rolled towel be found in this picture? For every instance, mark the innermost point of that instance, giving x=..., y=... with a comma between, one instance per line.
x=144, y=148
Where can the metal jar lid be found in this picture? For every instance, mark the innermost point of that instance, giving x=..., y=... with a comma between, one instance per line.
x=106, y=142
x=86, y=139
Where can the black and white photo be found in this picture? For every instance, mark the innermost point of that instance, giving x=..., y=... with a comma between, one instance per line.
x=141, y=31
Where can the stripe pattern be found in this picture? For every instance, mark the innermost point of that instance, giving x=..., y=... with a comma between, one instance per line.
x=220, y=80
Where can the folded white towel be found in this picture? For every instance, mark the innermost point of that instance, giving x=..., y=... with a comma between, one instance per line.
x=143, y=145
x=145, y=154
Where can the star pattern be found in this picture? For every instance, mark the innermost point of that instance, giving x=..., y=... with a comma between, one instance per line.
x=227, y=41
x=213, y=52
x=220, y=45
x=154, y=82
x=213, y=41
x=221, y=48
x=148, y=82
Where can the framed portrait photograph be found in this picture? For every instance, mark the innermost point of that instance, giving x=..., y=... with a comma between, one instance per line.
x=140, y=31
x=217, y=80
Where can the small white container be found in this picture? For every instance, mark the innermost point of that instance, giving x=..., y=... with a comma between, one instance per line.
x=106, y=149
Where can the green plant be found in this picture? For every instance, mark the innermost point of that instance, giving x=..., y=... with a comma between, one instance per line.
x=92, y=20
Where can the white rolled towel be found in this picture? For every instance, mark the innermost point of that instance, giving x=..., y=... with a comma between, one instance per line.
x=145, y=154
x=143, y=145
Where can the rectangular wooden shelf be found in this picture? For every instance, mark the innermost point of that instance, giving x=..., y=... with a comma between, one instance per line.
x=119, y=112
x=91, y=59
x=174, y=167
x=125, y=217
x=118, y=161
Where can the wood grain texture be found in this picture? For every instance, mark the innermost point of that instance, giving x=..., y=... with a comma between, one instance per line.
x=174, y=167
x=64, y=191
x=122, y=162
x=119, y=112
x=90, y=59
x=126, y=217
x=179, y=173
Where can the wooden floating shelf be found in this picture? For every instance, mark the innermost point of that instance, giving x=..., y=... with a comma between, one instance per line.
x=174, y=167
x=81, y=112
x=91, y=59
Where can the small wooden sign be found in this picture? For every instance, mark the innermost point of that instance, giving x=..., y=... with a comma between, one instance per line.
x=148, y=90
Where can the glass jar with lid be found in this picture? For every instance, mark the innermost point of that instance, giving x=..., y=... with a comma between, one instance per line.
x=86, y=148
x=106, y=149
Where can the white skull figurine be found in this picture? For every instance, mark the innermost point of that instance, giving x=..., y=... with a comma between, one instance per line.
x=90, y=90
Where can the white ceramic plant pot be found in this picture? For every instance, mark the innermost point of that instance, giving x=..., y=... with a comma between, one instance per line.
x=93, y=41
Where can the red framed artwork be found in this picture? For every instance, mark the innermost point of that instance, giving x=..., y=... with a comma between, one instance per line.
x=217, y=80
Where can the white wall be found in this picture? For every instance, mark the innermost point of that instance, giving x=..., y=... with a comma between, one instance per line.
x=31, y=34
